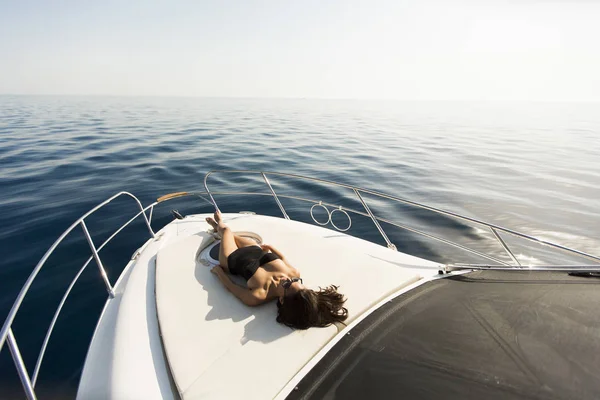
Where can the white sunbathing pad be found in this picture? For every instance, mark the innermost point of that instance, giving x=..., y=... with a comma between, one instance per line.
x=217, y=347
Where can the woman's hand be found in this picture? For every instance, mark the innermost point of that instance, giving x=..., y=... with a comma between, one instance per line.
x=217, y=270
x=267, y=247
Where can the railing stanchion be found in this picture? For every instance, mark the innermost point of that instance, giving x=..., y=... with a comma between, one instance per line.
x=97, y=258
x=21, y=370
x=151, y=211
x=274, y=195
x=389, y=244
x=212, y=199
x=147, y=222
x=510, y=253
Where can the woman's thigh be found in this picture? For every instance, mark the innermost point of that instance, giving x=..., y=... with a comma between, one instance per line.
x=241, y=241
x=228, y=246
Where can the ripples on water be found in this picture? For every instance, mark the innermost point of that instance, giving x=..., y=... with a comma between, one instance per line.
x=532, y=167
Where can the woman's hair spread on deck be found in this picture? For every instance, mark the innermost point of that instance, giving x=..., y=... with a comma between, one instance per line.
x=308, y=308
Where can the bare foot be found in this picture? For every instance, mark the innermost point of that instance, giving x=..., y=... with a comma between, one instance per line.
x=216, y=222
x=212, y=223
x=217, y=216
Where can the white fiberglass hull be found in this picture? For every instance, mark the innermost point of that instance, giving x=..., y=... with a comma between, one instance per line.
x=128, y=357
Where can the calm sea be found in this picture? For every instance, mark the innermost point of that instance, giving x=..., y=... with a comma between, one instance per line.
x=533, y=167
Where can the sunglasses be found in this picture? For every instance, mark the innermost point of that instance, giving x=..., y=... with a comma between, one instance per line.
x=288, y=282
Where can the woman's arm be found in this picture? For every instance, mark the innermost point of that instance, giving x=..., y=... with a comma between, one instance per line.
x=267, y=247
x=249, y=297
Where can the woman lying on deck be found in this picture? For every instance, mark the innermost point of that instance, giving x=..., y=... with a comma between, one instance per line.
x=269, y=276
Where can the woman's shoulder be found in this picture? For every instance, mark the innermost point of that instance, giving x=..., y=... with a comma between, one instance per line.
x=295, y=272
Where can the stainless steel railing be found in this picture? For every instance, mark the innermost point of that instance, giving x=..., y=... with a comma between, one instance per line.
x=29, y=381
x=495, y=229
x=7, y=335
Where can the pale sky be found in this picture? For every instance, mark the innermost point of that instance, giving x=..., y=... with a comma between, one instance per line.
x=378, y=49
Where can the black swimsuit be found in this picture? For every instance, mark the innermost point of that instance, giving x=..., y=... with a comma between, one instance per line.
x=246, y=260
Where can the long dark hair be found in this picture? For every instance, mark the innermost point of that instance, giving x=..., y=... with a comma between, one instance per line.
x=307, y=308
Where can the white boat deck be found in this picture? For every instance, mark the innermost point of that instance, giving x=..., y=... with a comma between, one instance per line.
x=217, y=347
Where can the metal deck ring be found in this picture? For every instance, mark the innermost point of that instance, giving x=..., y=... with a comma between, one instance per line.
x=347, y=215
x=320, y=204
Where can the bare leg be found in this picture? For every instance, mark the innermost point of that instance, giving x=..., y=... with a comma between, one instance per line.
x=228, y=246
x=241, y=241
x=228, y=242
